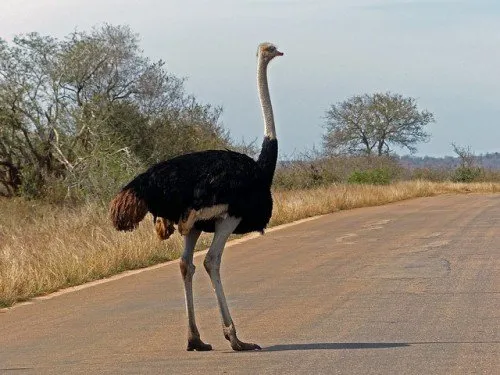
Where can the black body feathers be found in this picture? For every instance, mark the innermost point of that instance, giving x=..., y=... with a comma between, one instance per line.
x=204, y=179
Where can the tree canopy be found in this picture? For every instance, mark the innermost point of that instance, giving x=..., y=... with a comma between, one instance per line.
x=90, y=109
x=375, y=124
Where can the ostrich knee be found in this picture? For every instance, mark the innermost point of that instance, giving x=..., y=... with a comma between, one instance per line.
x=187, y=269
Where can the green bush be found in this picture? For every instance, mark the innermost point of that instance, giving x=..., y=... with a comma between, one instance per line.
x=314, y=171
x=467, y=174
x=304, y=175
x=377, y=176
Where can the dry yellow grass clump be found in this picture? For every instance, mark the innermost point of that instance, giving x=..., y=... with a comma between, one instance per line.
x=44, y=248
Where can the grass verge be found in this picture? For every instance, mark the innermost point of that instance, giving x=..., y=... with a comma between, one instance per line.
x=45, y=248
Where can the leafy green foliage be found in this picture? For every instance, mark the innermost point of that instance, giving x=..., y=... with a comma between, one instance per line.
x=467, y=174
x=80, y=114
x=313, y=171
x=378, y=176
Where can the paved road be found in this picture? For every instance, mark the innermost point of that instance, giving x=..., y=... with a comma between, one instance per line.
x=408, y=288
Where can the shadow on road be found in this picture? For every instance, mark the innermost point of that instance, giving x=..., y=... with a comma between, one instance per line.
x=335, y=346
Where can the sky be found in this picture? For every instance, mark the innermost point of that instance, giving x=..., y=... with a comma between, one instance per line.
x=444, y=53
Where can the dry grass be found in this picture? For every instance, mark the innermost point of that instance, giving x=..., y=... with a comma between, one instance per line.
x=45, y=248
x=298, y=204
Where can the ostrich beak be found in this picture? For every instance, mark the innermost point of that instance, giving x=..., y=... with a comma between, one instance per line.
x=278, y=53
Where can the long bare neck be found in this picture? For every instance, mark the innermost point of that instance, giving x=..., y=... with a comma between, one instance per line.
x=269, y=152
x=265, y=100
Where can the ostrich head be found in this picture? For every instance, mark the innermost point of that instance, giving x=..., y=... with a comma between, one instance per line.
x=268, y=51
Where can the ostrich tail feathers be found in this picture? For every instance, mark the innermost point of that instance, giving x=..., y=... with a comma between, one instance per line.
x=127, y=210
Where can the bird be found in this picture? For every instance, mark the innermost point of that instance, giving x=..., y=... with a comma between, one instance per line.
x=215, y=191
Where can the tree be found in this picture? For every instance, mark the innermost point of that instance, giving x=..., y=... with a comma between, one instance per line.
x=468, y=170
x=375, y=124
x=76, y=107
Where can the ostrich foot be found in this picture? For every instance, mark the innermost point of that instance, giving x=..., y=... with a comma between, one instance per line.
x=186, y=222
x=240, y=346
x=198, y=345
x=236, y=344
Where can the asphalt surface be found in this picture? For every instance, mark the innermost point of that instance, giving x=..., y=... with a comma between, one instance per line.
x=407, y=288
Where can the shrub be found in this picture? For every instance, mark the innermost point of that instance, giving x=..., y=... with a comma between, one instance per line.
x=316, y=171
x=434, y=174
x=467, y=174
x=377, y=176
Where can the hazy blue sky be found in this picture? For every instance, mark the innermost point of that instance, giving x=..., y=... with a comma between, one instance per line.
x=446, y=53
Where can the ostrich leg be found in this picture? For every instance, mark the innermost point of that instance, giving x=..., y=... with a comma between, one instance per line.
x=223, y=229
x=187, y=270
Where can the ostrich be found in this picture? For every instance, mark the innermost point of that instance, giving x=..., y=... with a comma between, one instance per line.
x=216, y=191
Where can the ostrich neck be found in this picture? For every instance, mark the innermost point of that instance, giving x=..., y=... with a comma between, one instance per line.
x=269, y=153
x=265, y=100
